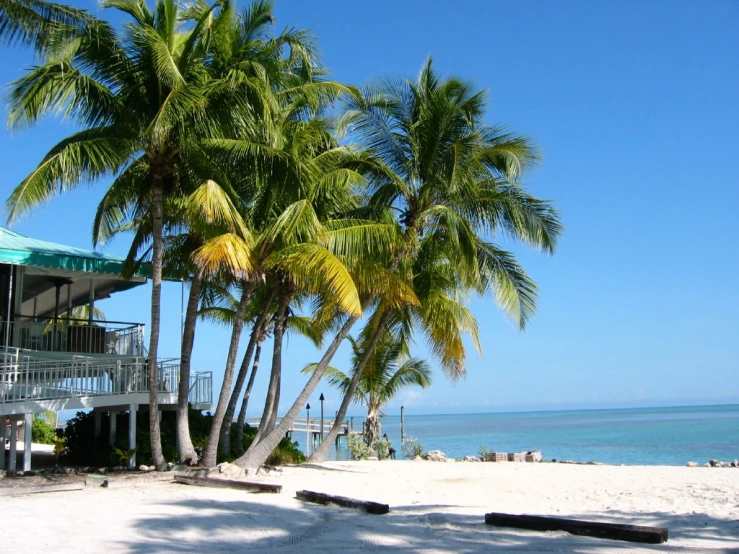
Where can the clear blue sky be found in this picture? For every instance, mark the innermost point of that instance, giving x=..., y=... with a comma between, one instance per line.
x=635, y=107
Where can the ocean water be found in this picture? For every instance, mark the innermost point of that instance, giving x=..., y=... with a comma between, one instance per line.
x=641, y=436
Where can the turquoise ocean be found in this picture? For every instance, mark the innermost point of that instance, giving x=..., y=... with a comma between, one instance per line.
x=638, y=436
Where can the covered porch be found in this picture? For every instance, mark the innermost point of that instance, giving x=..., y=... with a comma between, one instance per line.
x=56, y=354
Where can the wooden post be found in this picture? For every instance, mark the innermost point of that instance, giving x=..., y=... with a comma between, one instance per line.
x=307, y=436
x=132, y=433
x=402, y=426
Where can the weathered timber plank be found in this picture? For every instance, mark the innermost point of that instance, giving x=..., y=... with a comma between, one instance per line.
x=321, y=498
x=617, y=531
x=228, y=484
x=123, y=482
x=57, y=487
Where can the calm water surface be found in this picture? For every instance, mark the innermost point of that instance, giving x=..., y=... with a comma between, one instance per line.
x=642, y=436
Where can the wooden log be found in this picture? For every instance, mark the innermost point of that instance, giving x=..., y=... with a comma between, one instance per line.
x=228, y=484
x=57, y=487
x=321, y=498
x=138, y=480
x=617, y=531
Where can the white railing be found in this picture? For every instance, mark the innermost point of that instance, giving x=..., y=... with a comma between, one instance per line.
x=25, y=378
x=75, y=336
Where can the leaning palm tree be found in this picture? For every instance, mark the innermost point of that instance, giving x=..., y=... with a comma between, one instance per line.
x=454, y=181
x=144, y=101
x=390, y=370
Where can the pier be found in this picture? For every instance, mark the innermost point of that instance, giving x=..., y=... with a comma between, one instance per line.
x=313, y=429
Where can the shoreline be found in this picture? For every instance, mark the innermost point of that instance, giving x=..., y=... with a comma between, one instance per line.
x=434, y=507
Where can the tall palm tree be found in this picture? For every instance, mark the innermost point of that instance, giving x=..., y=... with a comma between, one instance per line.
x=144, y=102
x=390, y=370
x=454, y=181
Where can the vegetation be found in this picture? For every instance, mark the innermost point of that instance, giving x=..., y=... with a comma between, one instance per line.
x=82, y=449
x=389, y=370
x=226, y=171
x=412, y=448
x=42, y=431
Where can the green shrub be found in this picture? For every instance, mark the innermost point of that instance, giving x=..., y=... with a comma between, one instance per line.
x=82, y=449
x=412, y=448
x=358, y=448
x=382, y=447
x=42, y=431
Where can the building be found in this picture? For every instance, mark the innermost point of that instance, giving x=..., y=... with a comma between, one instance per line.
x=52, y=361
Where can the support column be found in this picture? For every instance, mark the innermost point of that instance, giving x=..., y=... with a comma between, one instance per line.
x=13, y=444
x=98, y=422
x=132, y=433
x=112, y=427
x=27, y=441
x=3, y=437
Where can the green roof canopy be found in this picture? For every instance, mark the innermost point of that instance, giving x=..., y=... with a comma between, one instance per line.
x=17, y=249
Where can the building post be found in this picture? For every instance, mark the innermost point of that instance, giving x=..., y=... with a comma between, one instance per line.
x=13, y=443
x=112, y=427
x=27, y=441
x=132, y=433
x=98, y=415
x=3, y=438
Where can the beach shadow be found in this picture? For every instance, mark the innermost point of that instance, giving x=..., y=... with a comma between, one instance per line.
x=214, y=526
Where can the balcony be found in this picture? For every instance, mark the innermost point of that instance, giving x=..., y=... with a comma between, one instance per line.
x=71, y=381
x=76, y=336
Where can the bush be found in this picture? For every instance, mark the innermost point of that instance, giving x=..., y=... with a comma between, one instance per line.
x=42, y=431
x=412, y=448
x=358, y=449
x=382, y=447
x=82, y=449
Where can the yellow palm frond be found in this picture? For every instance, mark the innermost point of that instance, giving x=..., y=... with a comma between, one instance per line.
x=228, y=251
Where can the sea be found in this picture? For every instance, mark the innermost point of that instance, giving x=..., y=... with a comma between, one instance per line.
x=636, y=436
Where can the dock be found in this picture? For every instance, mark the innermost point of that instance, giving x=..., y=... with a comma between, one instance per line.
x=313, y=429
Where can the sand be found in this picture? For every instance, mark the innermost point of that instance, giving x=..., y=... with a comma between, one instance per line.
x=434, y=507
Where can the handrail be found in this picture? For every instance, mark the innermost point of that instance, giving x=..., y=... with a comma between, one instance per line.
x=25, y=378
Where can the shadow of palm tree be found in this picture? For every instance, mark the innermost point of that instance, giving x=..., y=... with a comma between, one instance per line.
x=223, y=526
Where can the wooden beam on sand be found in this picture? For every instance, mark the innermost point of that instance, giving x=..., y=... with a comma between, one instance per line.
x=228, y=484
x=617, y=531
x=321, y=498
x=57, y=487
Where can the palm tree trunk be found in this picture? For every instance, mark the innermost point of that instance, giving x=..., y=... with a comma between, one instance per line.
x=257, y=453
x=156, y=296
x=320, y=453
x=372, y=428
x=185, y=448
x=269, y=413
x=211, y=449
x=225, y=440
x=244, y=403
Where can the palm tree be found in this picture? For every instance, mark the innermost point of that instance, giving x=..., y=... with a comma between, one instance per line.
x=390, y=370
x=144, y=101
x=454, y=182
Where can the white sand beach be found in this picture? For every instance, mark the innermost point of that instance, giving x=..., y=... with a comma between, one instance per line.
x=434, y=507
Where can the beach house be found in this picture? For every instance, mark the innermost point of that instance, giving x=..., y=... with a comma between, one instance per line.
x=52, y=361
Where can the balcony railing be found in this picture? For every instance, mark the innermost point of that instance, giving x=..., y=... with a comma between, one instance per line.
x=26, y=378
x=80, y=336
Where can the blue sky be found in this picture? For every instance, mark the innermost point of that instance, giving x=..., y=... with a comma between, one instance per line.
x=634, y=105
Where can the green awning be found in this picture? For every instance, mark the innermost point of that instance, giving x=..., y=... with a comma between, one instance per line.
x=17, y=249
